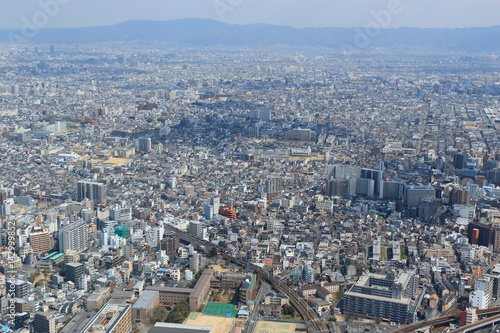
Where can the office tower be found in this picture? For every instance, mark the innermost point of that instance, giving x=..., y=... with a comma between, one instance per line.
x=145, y=144
x=459, y=161
x=41, y=241
x=494, y=176
x=341, y=171
x=195, y=228
x=208, y=211
x=383, y=296
x=265, y=115
x=393, y=190
x=484, y=233
x=44, y=322
x=376, y=176
x=365, y=187
x=215, y=202
x=414, y=194
x=341, y=187
x=74, y=273
x=91, y=190
x=426, y=209
x=73, y=236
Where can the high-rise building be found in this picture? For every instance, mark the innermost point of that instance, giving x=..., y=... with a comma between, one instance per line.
x=493, y=176
x=414, y=194
x=376, y=176
x=145, y=144
x=170, y=244
x=341, y=171
x=393, y=190
x=40, y=241
x=195, y=262
x=485, y=234
x=44, y=322
x=74, y=272
x=215, y=201
x=459, y=161
x=5, y=206
x=91, y=190
x=274, y=187
x=426, y=209
x=341, y=187
x=73, y=236
x=208, y=211
x=365, y=187
x=459, y=196
x=195, y=228
x=110, y=318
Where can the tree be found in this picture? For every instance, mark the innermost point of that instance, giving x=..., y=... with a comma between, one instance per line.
x=213, y=252
x=288, y=310
x=179, y=313
x=160, y=314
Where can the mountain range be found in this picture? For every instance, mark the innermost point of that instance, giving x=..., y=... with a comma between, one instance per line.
x=205, y=32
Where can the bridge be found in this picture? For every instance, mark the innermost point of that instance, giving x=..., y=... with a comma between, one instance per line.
x=424, y=323
x=478, y=324
x=314, y=323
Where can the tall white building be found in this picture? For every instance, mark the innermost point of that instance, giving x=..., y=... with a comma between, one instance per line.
x=479, y=299
x=73, y=236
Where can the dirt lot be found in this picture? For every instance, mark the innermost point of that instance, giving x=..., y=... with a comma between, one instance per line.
x=219, y=324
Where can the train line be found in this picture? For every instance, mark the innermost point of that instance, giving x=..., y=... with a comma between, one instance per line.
x=313, y=322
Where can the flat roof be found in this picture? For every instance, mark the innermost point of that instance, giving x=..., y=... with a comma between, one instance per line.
x=145, y=299
x=171, y=289
x=203, y=281
x=178, y=328
x=403, y=300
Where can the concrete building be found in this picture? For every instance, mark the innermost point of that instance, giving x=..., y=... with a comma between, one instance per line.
x=73, y=236
x=44, y=322
x=196, y=297
x=111, y=318
x=145, y=305
x=91, y=190
x=383, y=296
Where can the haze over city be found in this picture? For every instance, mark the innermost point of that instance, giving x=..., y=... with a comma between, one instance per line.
x=295, y=13
x=215, y=166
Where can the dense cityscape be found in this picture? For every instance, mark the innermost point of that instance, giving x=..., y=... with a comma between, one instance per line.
x=248, y=190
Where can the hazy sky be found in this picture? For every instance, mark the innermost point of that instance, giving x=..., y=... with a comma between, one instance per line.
x=297, y=13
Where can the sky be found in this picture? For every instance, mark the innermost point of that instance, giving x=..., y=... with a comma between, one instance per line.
x=16, y=14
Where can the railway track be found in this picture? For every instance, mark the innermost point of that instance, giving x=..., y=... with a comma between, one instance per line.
x=314, y=323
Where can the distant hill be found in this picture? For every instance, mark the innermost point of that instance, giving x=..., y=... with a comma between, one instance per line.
x=205, y=32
